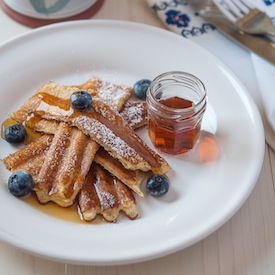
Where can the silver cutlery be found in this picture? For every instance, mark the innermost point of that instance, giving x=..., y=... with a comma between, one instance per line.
x=246, y=17
x=212, y=14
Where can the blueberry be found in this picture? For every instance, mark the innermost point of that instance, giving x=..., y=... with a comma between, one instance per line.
x=15, y=133
x=20, y=183
x=157, y=185
x=141, y=87
x=81, y=100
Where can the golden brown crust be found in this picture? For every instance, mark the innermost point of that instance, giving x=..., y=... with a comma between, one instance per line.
x=112, y=94
x=29, y=158
x=105, y=126
x=130, y=178
x=104, y=194
x=65, y=167
x=135, y=113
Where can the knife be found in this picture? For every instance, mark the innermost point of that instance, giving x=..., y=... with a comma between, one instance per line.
x=258, y=44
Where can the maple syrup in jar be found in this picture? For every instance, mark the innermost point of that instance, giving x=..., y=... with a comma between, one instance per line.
x=176, y=105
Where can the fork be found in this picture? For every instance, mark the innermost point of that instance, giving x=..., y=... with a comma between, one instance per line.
x=246, y=17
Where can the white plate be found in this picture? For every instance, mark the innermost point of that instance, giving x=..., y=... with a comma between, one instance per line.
x=202, y=196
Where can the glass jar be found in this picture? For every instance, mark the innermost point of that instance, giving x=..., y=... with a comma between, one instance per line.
x=176, y=105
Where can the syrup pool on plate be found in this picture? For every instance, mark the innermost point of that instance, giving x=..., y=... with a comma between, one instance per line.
x=31, y=135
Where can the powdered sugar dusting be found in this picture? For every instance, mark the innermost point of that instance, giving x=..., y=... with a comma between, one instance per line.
x=106, y=138
x=69, y=163
x=111, y=93
x=52, y=160
x=133, y=113
x=103, y=110
x=107, y=199
x=35, y=150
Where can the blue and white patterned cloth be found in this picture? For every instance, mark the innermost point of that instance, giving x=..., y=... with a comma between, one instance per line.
x=256, y=73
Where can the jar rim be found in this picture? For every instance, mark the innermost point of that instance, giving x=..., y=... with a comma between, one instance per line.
x=177, y=74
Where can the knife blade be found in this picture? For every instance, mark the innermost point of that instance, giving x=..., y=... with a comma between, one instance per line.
x=258, y=44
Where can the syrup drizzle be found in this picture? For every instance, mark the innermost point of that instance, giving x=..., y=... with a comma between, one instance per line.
x=102, y=118
x=31, y=134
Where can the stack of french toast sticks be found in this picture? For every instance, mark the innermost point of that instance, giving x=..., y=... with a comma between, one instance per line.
x=92, y=157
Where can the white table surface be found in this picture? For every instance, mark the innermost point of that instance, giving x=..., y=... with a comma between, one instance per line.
x=244, y=245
